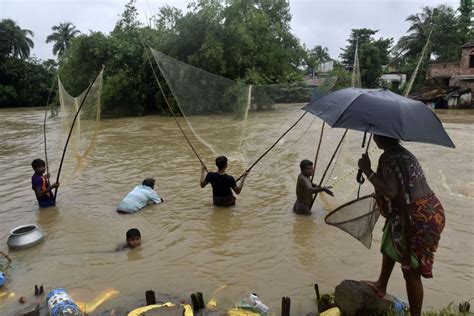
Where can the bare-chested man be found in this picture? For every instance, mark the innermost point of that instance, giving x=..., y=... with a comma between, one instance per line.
x=305, y=189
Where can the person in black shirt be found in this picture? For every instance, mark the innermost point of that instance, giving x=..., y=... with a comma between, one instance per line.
x=222, y=183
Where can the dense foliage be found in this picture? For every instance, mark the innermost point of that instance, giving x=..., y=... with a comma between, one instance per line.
x=245, y=40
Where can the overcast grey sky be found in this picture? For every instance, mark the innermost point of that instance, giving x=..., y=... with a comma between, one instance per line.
x=315, y=22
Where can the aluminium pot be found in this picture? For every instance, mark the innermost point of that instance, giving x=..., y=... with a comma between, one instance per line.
x=25, y=236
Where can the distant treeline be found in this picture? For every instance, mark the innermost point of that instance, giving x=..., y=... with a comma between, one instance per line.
x=245, y=40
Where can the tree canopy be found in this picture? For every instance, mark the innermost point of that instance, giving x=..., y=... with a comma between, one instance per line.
x=373, y=53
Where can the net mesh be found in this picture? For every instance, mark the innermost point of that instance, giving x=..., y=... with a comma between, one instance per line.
x=241, y=136
x=357, y=217
x=84, y=133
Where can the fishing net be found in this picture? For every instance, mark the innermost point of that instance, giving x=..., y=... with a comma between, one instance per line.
x=83, y=135
x=352, y=208
x=357, y=217
x=242, y=110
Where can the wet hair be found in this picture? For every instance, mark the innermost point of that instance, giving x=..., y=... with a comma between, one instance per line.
x=221, y=161
x=133, y=233
x=149, y=182
x=305, y=163
x=38, y=163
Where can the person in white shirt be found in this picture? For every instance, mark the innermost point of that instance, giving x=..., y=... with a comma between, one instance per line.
x=139, y=197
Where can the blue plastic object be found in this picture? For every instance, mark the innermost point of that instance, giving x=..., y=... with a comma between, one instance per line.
x=3, y=278
x=61, y=304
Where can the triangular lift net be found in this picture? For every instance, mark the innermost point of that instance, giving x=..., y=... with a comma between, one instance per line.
x=84, y=133
x=251, y=117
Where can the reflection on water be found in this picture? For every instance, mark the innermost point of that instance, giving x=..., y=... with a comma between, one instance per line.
x=188, y=244
x=303, y=230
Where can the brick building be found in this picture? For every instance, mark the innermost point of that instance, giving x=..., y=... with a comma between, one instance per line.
x=456, y=74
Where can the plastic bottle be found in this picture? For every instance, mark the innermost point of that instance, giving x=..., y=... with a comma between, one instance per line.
x=61, y=304
x=257, y=304
x=400, y=306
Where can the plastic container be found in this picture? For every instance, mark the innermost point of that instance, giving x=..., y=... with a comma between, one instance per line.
x=61, y=304
x=257, y=304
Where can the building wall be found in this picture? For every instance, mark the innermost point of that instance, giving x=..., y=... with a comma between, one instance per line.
x=466, y=53
x=463, y=84
x=445, y=70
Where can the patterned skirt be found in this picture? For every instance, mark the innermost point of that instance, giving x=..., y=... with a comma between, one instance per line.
x=426, y=224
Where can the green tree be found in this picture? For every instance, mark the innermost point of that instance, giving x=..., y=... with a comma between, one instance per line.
x=317, y=56
x=14, y=41
x=445, y=38
x=464, y=21
x=373, y=55
x=24, y=83
x=62, y=36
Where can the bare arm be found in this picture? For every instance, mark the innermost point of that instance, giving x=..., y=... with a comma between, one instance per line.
x=313, y=188
x=203, y=177
x=238, y=188
x=385, y=184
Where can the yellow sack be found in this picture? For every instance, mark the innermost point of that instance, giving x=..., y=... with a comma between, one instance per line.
x=188, y=311
x=241, y=312
x=335, y=311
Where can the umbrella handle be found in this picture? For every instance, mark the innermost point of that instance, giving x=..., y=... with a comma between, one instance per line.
x=360, y=179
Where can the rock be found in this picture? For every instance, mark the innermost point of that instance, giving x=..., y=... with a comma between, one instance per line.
x=356, y=298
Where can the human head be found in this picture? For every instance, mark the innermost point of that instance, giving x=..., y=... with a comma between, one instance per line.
x=384, y=142
x=306, y=167
x=149, y=182
x=134, y=238
x=221, y=162
x=39, y=166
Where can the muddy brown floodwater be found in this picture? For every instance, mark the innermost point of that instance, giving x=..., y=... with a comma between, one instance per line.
x=188, y=244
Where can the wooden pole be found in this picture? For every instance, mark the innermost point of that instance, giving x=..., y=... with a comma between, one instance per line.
x=171, y=109
x=274, y=144
x=329, y=164
x=317, y=151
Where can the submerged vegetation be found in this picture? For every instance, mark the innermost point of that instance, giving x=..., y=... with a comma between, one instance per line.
x=245, y=40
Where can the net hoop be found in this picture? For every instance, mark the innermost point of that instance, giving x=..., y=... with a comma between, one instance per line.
x=372, y=195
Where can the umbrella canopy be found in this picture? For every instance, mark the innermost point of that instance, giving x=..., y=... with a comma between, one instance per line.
x=382, y=112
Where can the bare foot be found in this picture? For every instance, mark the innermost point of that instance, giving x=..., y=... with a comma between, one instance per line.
x=379, y=291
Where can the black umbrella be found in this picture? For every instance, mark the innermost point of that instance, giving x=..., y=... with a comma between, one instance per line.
x=382, y=112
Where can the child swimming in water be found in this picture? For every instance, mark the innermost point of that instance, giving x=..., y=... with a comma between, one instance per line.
x=133, y=240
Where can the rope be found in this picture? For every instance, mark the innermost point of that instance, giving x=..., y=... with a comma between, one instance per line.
x=170, y=108
x=329, y=164
x=72, y=127
x=274, y=144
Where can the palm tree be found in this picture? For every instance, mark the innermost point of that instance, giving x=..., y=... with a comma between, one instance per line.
x=317, y=56
x=62, y=36
x=412, y=44
x=14, y=41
